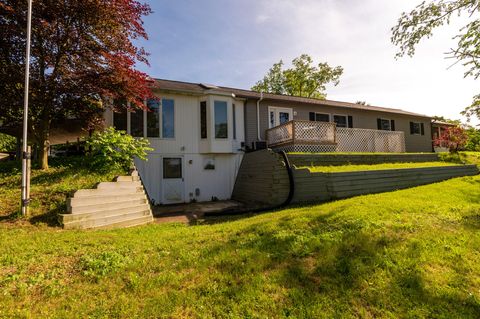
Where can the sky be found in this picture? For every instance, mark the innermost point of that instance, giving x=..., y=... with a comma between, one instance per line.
x=234, y=43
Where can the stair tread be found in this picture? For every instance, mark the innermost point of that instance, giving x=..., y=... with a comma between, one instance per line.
x=126, y=215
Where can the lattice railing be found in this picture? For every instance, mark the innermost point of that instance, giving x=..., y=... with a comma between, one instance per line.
x=365, y=140
x=301, y=132
x=309, y=136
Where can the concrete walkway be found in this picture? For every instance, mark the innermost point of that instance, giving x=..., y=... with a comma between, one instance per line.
x=190, y=213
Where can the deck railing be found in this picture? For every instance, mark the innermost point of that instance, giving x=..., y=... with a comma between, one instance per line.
x=301, y=132
x=324, y=136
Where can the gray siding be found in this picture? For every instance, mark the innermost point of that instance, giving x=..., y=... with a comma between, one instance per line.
x=365, y=119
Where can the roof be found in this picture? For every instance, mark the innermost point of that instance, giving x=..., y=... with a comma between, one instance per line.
x=443, y=123
x=202, y=88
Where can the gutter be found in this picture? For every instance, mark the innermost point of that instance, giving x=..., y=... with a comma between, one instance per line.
x=258, y=116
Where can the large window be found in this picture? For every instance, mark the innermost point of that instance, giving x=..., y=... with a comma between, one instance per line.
x=153, y=118
x=136, y=123
x=203, y=119
x=168, y=118
x=221, y=119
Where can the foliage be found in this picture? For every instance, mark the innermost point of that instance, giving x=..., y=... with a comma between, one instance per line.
x=366, y=167
x=303, y=79
x=473, y=139
x=97, y=266
x=7, y=143
x=426, y=17
x=112, y=148
x=362, y=103
x=406, y=254
x=81, y=52
x=453, y=138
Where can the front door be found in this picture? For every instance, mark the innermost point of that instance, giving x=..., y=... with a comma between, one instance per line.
x=173, y=187
x=279, y=115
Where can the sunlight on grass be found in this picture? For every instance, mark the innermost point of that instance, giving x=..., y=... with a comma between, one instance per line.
x=364, y=167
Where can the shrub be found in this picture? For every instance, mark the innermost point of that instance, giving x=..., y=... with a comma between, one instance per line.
x=7, y=143
x=473, y=142
x=112, y=148
x=453, y=138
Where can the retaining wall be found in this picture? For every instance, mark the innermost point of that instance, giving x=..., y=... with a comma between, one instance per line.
x=343, y=159
x=263, y=178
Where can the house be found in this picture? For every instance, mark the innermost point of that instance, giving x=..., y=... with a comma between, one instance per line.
x=200, y=132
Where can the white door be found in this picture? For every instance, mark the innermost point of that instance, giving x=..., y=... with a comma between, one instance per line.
x=279, y=115
x=173, y=184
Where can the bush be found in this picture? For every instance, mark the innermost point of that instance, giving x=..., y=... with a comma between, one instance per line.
x=116, y=149
x=473, y=142
x=7, y=143
x=453, y=138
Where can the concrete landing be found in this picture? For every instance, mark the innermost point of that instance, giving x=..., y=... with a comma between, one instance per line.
x=191, y=212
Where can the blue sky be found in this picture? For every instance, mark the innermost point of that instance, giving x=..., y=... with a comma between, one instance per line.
x=234, y=43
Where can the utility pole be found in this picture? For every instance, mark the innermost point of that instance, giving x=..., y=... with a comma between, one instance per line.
x=26, y=155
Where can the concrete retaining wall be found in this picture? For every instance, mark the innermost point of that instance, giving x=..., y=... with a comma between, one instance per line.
x=262, y=179
x=343, y=159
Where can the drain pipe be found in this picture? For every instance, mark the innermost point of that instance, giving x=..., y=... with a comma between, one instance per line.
x=291, y=180
x=258, y=116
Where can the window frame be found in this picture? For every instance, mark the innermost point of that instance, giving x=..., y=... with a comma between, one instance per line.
x=330, y=118
x=419, y=128
x=203, y=126
x=389, y=124
x=161, y=118
x=159, y=101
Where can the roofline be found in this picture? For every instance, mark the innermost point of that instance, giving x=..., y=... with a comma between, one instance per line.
x=249, y=94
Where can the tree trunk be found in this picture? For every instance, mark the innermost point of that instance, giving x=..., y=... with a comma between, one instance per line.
x=43, y=154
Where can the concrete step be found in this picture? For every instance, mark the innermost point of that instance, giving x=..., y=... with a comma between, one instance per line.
x=66, y=218
x=95, y=222
x=108, y=192
x=118, y=185
x=128, y=223
x=93, y=200
x=107, y=205
x=127, y=179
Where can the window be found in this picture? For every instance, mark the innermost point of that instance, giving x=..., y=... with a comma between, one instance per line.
x=417, y=128
x=340, y=120
x=234, y=122
x=385, y=125
x=221, y=119
x=172, y=167
x=120, y=120
x=136, y=123
x=203, y=119
x=319, y=117
x=168, y=118
x=153, y=118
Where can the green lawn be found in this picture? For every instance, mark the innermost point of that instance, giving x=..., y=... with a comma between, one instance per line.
x=364, y=167
x=411, y=254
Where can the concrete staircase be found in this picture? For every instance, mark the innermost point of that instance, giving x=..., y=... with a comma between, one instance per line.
x=118, y=204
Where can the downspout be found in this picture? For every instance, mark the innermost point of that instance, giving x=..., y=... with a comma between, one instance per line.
x=258, y=116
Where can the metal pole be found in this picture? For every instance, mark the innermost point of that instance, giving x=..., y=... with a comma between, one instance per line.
x=25, y=154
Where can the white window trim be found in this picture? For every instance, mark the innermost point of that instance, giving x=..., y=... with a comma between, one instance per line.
x=273, y=108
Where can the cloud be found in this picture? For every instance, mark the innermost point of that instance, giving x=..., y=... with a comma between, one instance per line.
x=261, y=18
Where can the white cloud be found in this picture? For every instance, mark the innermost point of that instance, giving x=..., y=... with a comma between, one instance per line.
x=356, y=35
x=262, y=18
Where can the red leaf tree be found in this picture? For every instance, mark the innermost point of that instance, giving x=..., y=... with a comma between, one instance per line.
x=82, y=53
x=453, y=138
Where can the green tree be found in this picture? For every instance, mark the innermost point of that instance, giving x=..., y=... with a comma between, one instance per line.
x=420, y=23
x=473, y=140
x=302, y=79
x=444, y=119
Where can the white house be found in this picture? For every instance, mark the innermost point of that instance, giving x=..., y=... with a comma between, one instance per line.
x=197, y=133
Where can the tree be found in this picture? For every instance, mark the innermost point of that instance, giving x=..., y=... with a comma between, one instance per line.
x=453, y=138
x=82, y=53
x=364, y=103
x=444, y=119
x=473, y=140
x=425, y=18
x=303, y=79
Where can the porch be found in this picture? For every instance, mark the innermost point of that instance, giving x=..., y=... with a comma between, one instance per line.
x=311, y=136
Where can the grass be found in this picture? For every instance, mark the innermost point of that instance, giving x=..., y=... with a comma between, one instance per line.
x=413, y=253
x=49, y=189
x=365, y=167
